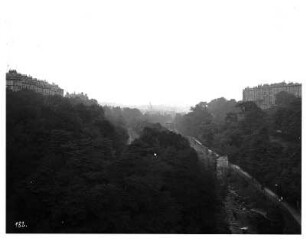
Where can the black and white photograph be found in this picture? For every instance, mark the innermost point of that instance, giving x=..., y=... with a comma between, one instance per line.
x=152, y=117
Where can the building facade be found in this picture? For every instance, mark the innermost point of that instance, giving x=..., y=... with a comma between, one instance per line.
x=264, y=95
x=16, y=82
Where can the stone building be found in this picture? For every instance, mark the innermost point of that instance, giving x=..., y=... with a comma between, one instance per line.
x=81, y=98
x=264, y=95
x=16, y=82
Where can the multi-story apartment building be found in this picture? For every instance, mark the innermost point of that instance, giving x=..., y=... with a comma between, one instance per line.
x=264, y=95
x=16, y=82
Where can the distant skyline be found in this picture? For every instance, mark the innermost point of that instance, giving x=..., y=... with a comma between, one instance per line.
x=175, y=53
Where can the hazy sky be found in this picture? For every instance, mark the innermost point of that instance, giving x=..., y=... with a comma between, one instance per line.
x=171, y=52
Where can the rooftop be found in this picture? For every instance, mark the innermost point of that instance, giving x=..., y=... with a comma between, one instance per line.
x=281, y=84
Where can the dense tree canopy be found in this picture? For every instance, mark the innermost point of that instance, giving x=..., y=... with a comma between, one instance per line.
x=267, y=144
x=69, y=169
x=134, y=120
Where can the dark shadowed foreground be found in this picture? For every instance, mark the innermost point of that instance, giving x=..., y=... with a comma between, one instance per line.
x=69, y=169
